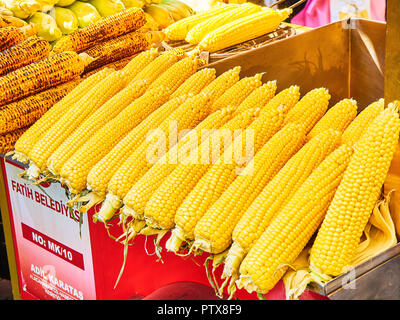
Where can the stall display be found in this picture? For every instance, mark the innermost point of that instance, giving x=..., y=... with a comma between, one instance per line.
x=117, y=133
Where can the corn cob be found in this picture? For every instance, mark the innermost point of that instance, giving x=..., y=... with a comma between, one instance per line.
x=179, y=29
x=117, y=48
x=198, y=32
x=108, y=111
x=39, y=76
x=10, y=21
x=75, y=170
x=238, y=92
x=342, y=228
x=275, y=195
x=11, y=36
x=25, y=112
x=259, y=97
x=75, y=115
x=7, y=140
x=310, y=109
x=26, y=142
x=153, y=70
x=102, y=172
x=187, y=116
x=182, y=115
x=243, y=29
x=293, y=226
x=213, y=233
x=215, y=181
x=116, y=65
x=31, y=50
x=104, y=29
x=338, y=117
x=358, y=126
x=195, y=83
x=177, y=74
x=161, y=208
x=138, y=196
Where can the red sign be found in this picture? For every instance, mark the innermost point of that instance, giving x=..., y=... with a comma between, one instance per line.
x=53, y=246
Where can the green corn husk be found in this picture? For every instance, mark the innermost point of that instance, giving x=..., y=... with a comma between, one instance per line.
x=47, y=5
x=65, y=19
x=85, y=13
x=108, y=7
x=47, y=26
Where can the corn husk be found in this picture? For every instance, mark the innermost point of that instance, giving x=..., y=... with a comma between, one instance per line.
x=85, y=13
x=65, y=19
x=47, y=26
x=108, y=7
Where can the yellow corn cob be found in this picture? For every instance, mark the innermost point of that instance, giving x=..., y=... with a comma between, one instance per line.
x=40, y=75
x=215, y=181
x=116, y=65
x=310, y=109
x=358, y=126
x=74, y=172
x=161, y=208
x=26, y=111
x=259, y=97
x=356, y=196
x=213, y=233
x=31, y=50
x=104, y=29
x=275, y=195
x=195, y=83
x=243, y=29
x=26, y=142
x=198, y=32
x=179, y=29
x=117, y=48
x=338, y=117
x=177, y=74
x=153, y=70
x=7, y=140
x=186, y=119
x=293, y=226
x=235, y=95
x=75, y=115
x=108, y=111
x=138, y=63
x=102, y=172
x=187, y=116
x=100, y=175
x=140, y=193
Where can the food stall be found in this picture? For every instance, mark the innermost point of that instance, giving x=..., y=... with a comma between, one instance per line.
x=65, y=242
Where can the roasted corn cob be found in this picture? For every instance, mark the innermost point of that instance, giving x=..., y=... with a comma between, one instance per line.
x=31, y=50
x=293, y=226
x=104, y=29
x=11, y=36
x=40, y=75
x=25, y=112
x=7, y=140
x=349, y=212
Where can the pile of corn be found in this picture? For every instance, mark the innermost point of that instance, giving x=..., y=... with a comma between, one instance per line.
x=57, y=18
x=226, y=25
x=34, y=77
x=312, y=170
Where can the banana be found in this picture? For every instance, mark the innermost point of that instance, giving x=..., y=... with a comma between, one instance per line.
x=162, y=16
